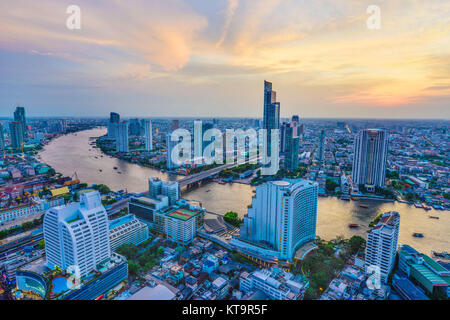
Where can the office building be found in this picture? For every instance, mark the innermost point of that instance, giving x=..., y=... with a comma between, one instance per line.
x=19, y=116
x=179, y=223
x=271, y=118
x=370, y=154
x=148, y=135
x=283, y=128
x=2, y=138
x=134, y=127
x=382, y=241
x=170, y=189
x=113, y=125
x=423, y=270
x=321, y=146
x=77, y=234
x=127, y=230
x=292, y=145
x=122, y=137
x=170, y=146
x=282, y=217
x=16, y=135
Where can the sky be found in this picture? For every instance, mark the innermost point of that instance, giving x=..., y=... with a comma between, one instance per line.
x=209, y=58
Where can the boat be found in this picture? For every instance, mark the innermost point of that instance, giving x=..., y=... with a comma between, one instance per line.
x=119, y=172
x=424, y=205
x=417, y=205
x=365, y=206
x=443, y=254
x=345, y=198
x=418, y=235
x=100, y=170
x=353, y=225
x=207, y=190
x=433, y=217
x=115, y=168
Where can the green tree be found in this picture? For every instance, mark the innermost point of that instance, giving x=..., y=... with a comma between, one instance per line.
x=130, y=251
x=356, y=244
x=41, y=244
x=133, y=268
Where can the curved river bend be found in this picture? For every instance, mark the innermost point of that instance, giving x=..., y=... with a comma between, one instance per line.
x=73, y=153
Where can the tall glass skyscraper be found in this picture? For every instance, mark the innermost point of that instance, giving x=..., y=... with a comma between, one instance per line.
x=292, y=144
x=2, y=138
x=321, y=146
x=122, y=137
x=16, y=134
x=148, y=135
x=113, y=125
x=19, y=116
x=369, y=162
x=271, y=118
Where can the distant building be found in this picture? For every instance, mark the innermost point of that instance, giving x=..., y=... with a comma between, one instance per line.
x=76, y=235
x=382, y=241
x=271, y=116
x=148, y=135
x=16, y=135
x=345, y=185
x=127, y=230
x=113, y=125
x=134, y=127
x=2, y=138
x=170, y=146
x=292, y=145
x=321, y=146
x=370, y=154
x=166, y=188
x=19, y=116
x=122, y=137
x=282, y=217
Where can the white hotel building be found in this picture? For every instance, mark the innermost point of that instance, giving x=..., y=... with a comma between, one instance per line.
x=77, y=234
x=282, y=217
x=382, y=241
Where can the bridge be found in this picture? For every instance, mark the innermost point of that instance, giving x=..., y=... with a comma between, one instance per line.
x=195, y=178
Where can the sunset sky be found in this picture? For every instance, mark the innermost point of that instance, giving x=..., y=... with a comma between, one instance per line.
x=210, y=58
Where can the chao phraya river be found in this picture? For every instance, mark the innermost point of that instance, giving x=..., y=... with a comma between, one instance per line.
x=73, y=153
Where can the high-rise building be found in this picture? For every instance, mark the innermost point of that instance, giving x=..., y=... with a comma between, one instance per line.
x=77, y=235
x=321, y=146
x=292, y=148
x=19, y=116
x=271, y=118
x=296, y=119
x=175, y=125
x=170, y=146
x=282, y=217
x=113, y=125
x=122, y=137
x=16, y=135
x=134, y=127
x=369, y=162
x=382, y=243
x=283, y=127
x=2, y=138
x=148, y=135
x=127, y=230
x=170, y=189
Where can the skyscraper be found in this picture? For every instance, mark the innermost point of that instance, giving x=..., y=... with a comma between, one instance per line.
x=122, y=137
x=271, y=118
x=77, y=235
x=15, y=130
x=382, y=243
x=283, y=127
x=292, y=146
x=2, y=138
x=170, y=145
x=369, y=162
x=170, y=189
x=282, y=217
x=321, y=146
x=113, y=125
x=19, y=116
x=148, y=135
x=134, y=127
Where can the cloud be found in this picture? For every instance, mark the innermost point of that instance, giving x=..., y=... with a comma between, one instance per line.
x=231, y=9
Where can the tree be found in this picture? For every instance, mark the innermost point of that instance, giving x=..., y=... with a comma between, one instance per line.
x=130, y=251
x=133, y=268
x=41, y=244
x=356, y=244
x=232, y=218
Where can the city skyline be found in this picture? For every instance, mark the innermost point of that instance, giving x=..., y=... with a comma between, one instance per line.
x=210, y=59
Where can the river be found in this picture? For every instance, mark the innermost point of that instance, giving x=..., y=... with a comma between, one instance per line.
x=72, y=153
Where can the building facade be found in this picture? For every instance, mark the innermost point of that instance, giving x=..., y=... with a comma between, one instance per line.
x=127, y=230
x=282, y=217
x=77, y=235
x=148, y=135
x=122, y=137
x=382, y=241
x=370, y=154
